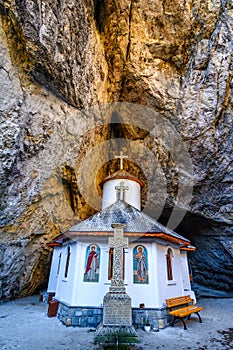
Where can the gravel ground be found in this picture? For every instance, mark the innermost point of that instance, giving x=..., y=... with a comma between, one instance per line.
x=24, y=325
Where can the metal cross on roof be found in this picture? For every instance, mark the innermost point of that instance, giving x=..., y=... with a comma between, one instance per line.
x=122, y=190
x=121, y=159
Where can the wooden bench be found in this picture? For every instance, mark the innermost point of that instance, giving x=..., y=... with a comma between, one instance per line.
x=181, y=307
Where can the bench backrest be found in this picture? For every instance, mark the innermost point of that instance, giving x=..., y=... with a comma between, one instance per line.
x=178, y=301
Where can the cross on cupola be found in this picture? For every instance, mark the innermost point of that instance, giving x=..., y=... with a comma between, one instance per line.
x=121, y=190
x=121, y=157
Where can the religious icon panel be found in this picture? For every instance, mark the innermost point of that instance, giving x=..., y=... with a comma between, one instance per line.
x=140, y=265
x=92, y=261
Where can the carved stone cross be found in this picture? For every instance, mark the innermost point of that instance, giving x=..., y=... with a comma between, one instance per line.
x=117, y=309
x=122, y=190
x=118, y=242
x=121, y=159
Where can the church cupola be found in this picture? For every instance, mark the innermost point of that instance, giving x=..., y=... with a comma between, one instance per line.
x=121, y=186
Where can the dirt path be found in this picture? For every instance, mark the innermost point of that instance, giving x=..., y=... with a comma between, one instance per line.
x=24, y=325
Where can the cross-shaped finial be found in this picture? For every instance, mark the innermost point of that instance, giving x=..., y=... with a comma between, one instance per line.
x=121, y=159
x=122, y=190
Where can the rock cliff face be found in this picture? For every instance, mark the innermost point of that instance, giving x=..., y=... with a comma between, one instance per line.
x=80, y=82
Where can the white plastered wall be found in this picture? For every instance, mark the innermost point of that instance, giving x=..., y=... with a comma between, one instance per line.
x=140, y=293
x=65, y=285
x=53, y=277
x=75, y=292
x=185, y=271
x=132, y=195
x=185, y=275
x=91, y=293
x=175, y=287
x=159, y=288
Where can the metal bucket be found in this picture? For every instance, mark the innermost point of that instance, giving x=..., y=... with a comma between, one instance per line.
x=161, y=323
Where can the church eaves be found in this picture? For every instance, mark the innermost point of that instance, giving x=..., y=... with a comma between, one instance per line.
x=137, y=223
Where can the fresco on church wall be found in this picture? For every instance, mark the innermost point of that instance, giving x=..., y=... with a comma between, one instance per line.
x=92, y=261
x=140, y=265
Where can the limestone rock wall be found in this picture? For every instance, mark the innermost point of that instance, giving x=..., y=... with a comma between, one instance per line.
x=57, y=61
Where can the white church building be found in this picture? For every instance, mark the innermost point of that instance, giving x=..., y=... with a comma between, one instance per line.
x=155, y=261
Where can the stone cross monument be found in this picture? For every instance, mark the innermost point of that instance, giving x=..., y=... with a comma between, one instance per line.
x=117, y=310
x=117, y=303
x=118, y=242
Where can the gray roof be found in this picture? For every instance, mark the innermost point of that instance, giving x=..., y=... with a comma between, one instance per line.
x=124, y=213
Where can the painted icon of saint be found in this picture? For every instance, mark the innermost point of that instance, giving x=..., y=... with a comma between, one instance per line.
x=141, y=265
x=92, y=265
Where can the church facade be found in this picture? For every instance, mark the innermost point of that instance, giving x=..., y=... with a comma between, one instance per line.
x=155, y=260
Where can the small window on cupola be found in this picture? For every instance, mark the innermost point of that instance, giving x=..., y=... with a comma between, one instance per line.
x=169, y=264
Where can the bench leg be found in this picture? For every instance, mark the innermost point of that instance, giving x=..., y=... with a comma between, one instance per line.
x=200, y=320
x=181, y=319
x=185, y=328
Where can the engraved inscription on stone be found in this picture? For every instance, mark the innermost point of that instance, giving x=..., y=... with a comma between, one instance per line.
x=117, y=310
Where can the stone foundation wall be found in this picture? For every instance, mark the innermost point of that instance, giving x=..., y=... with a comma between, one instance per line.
x=80, y=316
x=93, y=316
x=158, y=318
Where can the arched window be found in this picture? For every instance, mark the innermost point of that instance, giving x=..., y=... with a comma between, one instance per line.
x=59, y=264
x=67, y=262
x=169, y=264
